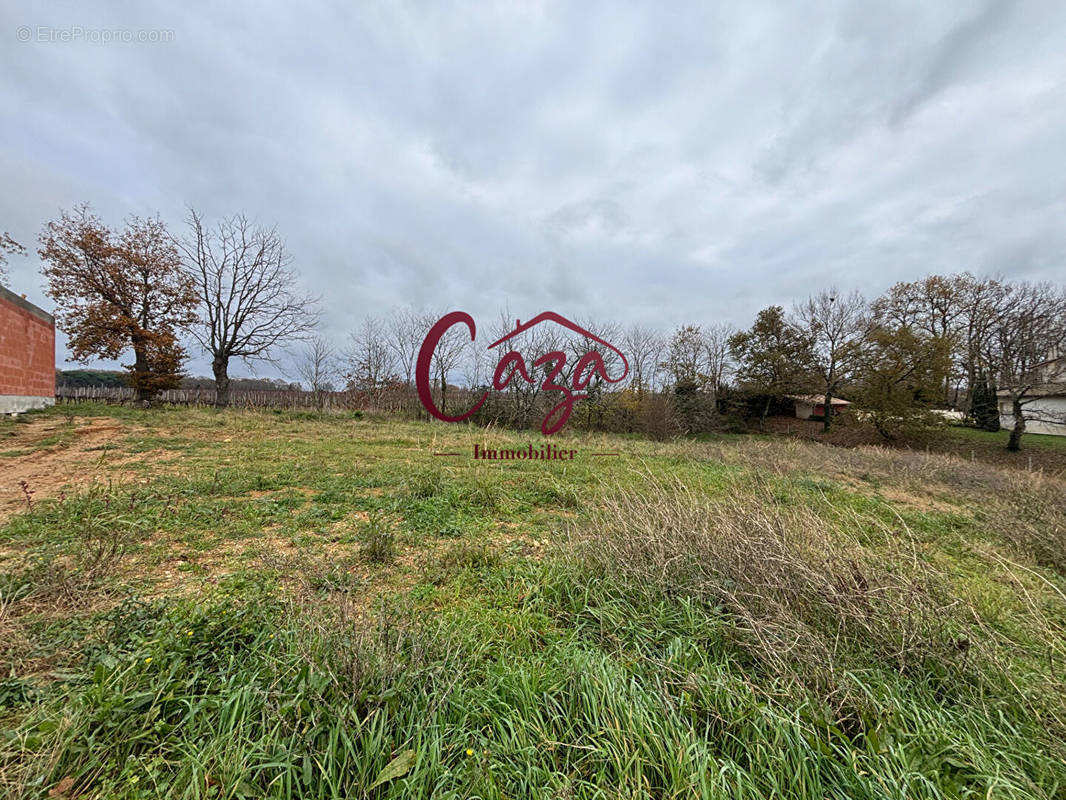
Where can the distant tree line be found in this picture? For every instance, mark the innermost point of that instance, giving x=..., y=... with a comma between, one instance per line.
x=943, y=342
x=97, y=378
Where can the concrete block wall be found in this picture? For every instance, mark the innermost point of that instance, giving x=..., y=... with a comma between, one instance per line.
x=27, y=355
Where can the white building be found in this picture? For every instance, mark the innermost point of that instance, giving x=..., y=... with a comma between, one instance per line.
x=1047, y=413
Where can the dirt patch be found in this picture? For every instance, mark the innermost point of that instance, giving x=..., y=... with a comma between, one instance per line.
x=896, y=496
x=80, y=459
x=844, y=433
x=924, y=504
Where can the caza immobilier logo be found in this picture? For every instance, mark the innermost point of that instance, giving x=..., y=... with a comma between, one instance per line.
x=512, y=365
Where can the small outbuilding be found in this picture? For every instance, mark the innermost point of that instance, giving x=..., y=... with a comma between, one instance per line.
x=813, y=405
x=27, y=355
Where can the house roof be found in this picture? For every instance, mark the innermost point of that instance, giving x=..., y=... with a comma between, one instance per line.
x=817, y=399
x=1040, y=390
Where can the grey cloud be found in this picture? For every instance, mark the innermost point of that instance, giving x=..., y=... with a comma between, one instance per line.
x=950, y=55
x=638, y=162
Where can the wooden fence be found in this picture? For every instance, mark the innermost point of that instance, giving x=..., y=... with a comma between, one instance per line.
x=398, y=400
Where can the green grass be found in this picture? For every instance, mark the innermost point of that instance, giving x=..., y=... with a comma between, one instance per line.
x=316, y=606
x=1041, y=441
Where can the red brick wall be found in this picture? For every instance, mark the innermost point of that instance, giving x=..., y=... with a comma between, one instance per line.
x=27, y=349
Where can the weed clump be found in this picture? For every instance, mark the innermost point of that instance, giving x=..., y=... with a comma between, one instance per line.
x=459, y=557
x=426, y=483
x=377, y=540
x=101, y=526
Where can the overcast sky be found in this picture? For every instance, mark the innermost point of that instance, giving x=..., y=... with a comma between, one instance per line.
x=660, y=162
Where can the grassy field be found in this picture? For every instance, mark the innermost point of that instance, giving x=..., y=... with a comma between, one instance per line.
x=1039, y=451
x=203, y=604
x=1038, y=442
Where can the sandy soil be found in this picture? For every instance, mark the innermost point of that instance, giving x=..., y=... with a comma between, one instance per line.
x=74, y=463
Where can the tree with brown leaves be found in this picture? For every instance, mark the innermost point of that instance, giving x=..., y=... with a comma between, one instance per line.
x=117, y=291
x=900, y=379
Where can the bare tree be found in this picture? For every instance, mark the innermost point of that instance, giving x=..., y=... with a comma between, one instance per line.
x=407, y=328
x=686, y=364
x=686, y=358
x=370, y=360
x=477, y=364
x=523, y=396
x=717, y=355
x=837, y=325
x=250, y=304
x=448, y=354
x=577, y=346
x=8, y=247
x=1027, y=336
x=317, y=368
x=699, y=357
x=644, y=349
x=983, y=301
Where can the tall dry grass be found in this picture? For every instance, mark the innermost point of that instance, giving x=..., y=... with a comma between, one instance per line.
x=1026, y=509
x=814, y=596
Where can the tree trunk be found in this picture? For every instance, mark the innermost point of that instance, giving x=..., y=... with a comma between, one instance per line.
x=971, y=379
x=827, y=408
x=140, y=371
x=1014, y=444
x=220, y=366
x=765, y=411
x=443, y=391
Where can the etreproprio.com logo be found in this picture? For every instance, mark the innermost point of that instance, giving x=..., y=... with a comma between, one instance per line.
x=71, y=34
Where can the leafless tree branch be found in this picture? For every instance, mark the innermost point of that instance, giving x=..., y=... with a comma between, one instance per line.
x=250, y=303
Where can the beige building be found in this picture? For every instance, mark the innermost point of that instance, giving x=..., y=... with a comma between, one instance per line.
x=813, y=405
